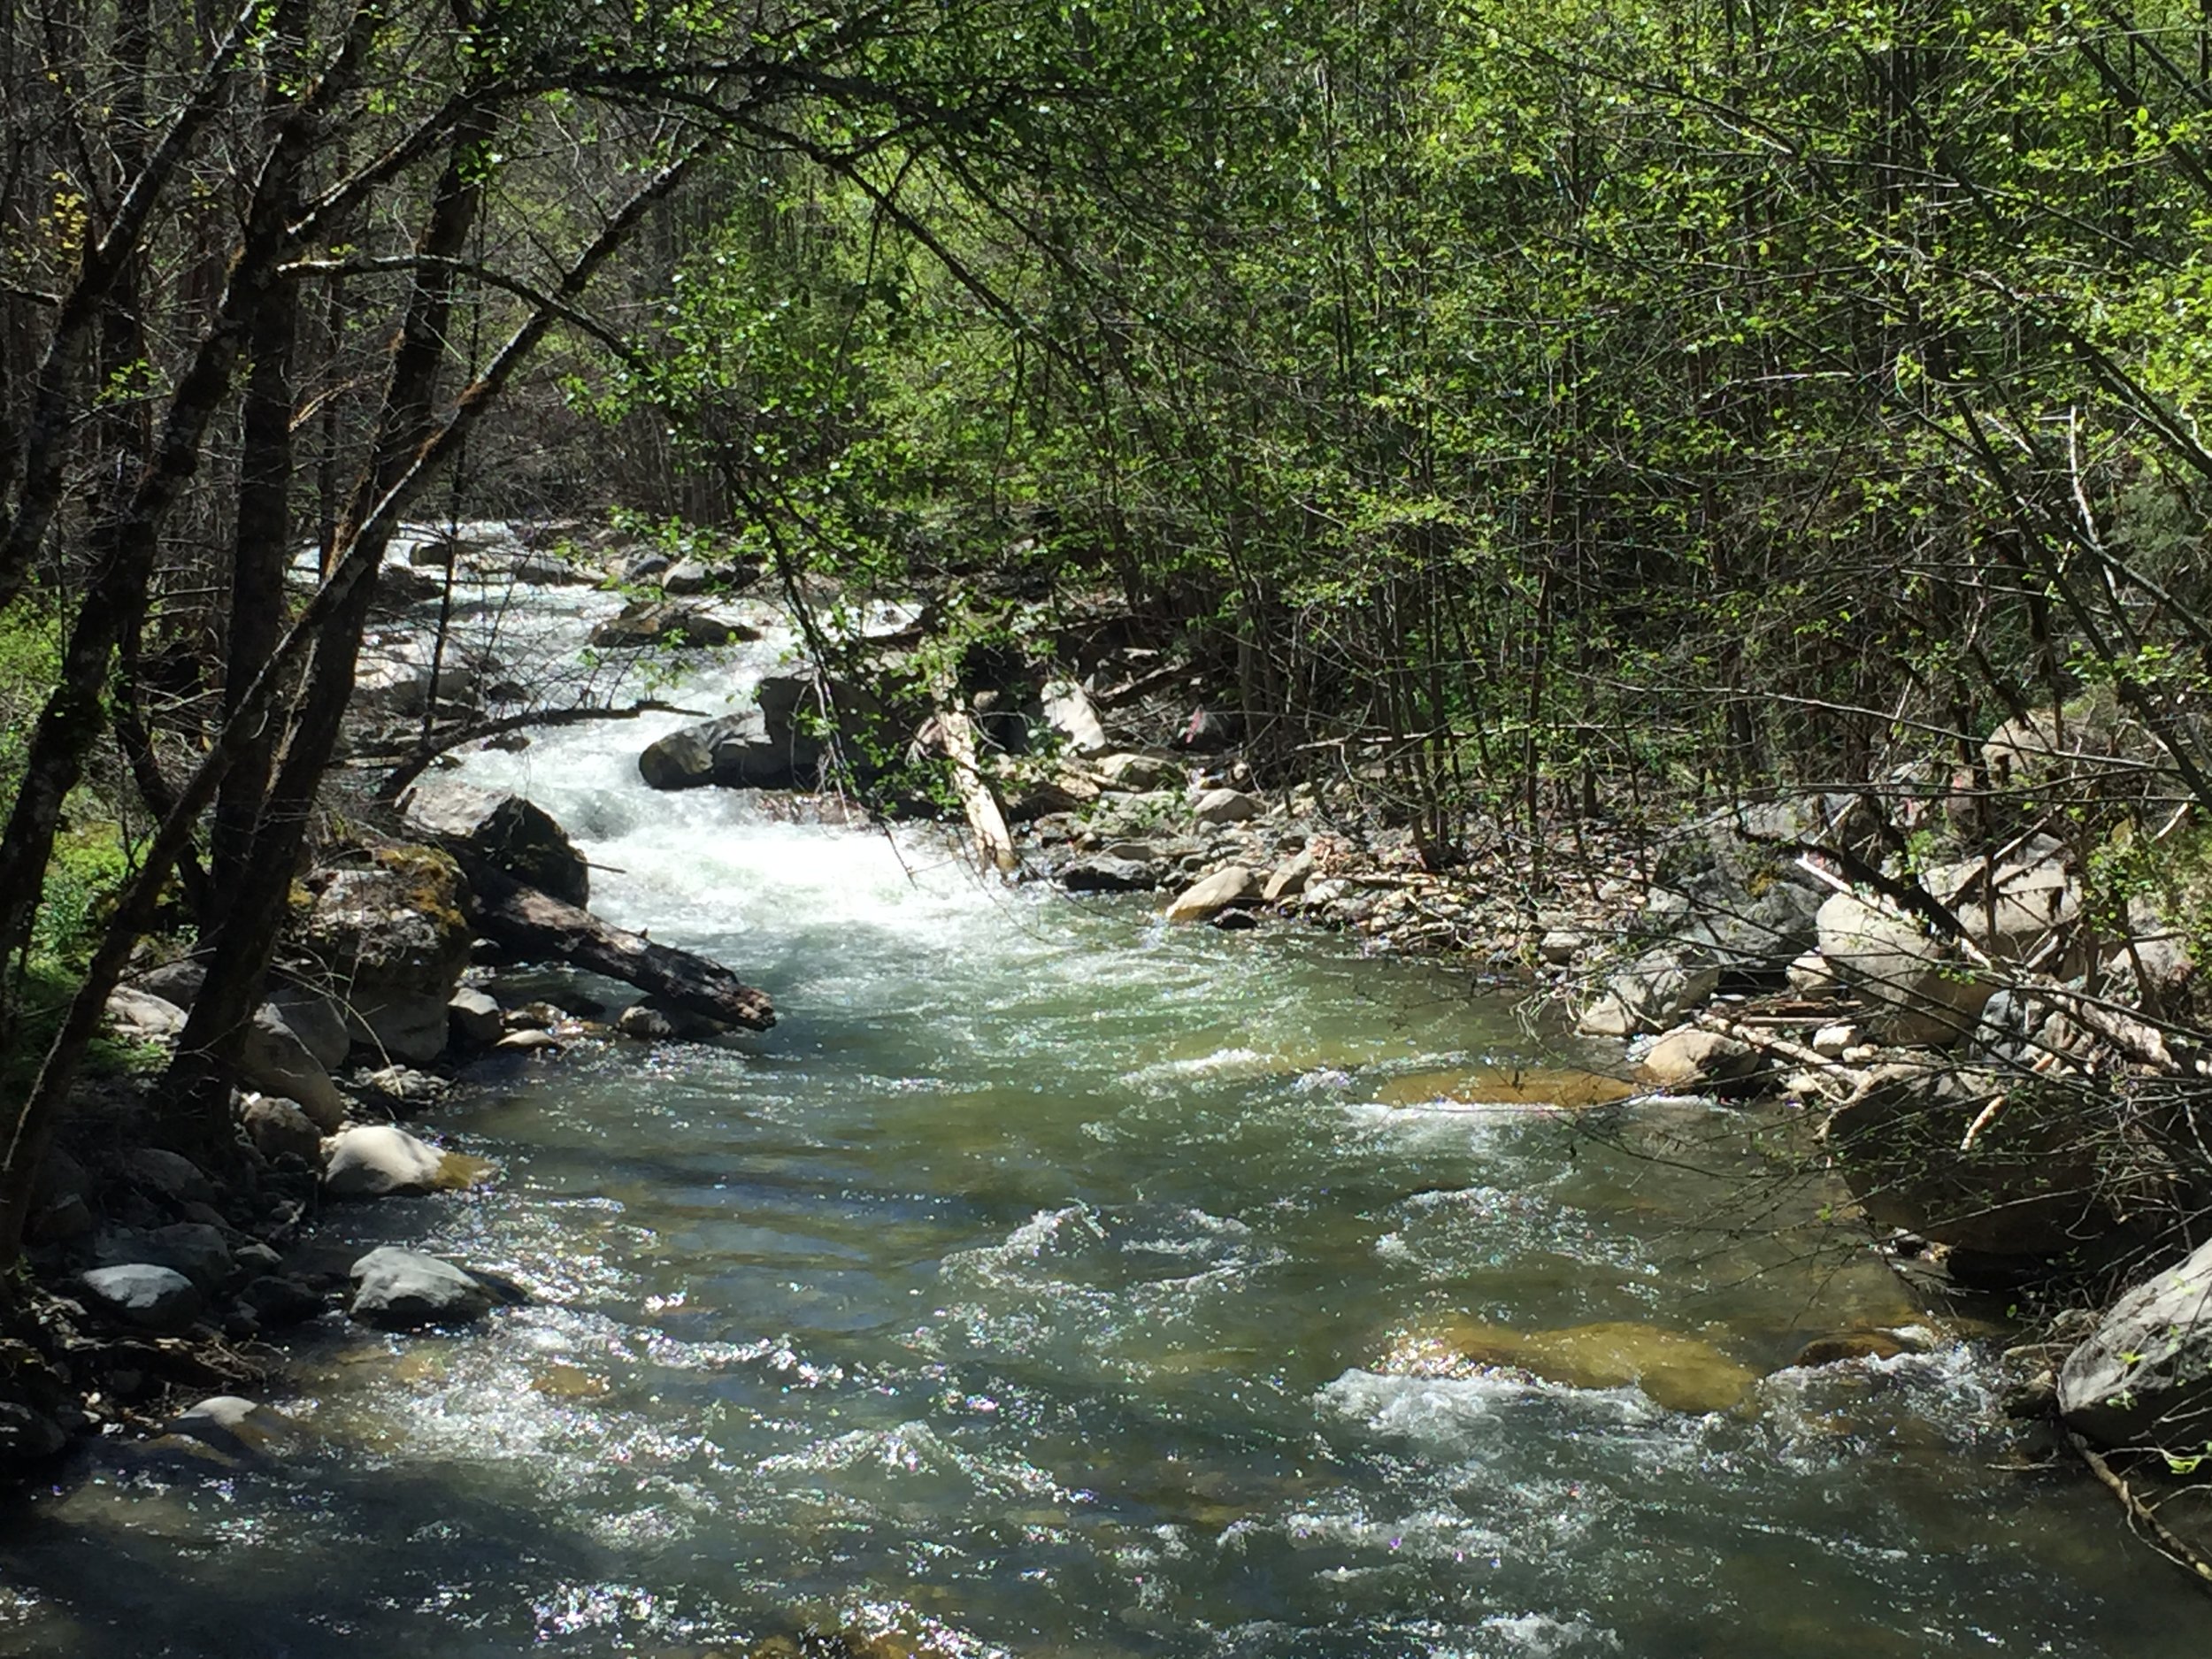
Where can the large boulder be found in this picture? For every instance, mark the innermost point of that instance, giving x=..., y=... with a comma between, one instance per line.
x=505, y=831
x=394, y=938
x=406, y=1290
x=2090, y=746
x=1733, y=892
x=2144, y=1377
x=1998, y=1163
x=741, y=751
x=315, y=1019
x=2012, y=910
x=141, y=1016
x=1919, y=989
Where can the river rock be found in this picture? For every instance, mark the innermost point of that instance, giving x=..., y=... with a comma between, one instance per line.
x=316, y=1020
x=656, y=622
x=277, y=1301
x=278, y=1128
x=1844, y=1346
x=1691, y=1057
x=171, y=1174
x=381, y=1161
x=276, y=1061
x=741, y=751
x=1103, y=872
x=1740, y=902
x=505, y=831
x=476, y=1015
x=1919, y=990
x=2144, y=1377
x=1226, y=806
x=1234, y=885
x=1138, y=773
x=1649, y=994
x=644, y=1023
x=685, y=578
x=1559, y=945
x=198, y=1251
x=683, y=760
x=404, y=1290
x=2030, y=1183
x=141, y=1016
x=1288, y=880
x=1679, y=1371
x=143, y=1295
x=2012, y=910
x=27, y=1436
x=394, y=937
x=178, y=982
x=1068, y=711
x=238, y=1427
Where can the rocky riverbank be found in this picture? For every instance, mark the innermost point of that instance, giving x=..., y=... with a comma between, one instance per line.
x=1966, y=1032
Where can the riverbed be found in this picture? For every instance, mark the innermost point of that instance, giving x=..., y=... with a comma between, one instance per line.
x=1042, y=1285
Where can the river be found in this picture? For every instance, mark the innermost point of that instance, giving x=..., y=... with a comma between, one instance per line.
x=1029, y=1289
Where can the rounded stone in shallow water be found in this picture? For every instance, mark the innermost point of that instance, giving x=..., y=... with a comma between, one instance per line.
x=1681, y=1372
x=570, y=1382
x=1505, y=1085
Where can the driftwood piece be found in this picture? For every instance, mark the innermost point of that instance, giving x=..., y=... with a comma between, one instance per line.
x=524, y=920
x=987, y=820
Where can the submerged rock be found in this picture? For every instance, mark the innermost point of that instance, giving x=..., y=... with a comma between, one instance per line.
x=239, y=1427
x=1680, y=1372
x=1507, y=1086
x=656, y=622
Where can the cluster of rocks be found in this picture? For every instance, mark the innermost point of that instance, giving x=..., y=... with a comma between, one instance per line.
x=159, y=1263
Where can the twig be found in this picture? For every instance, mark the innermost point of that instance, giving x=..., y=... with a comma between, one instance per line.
x=2163, y=1537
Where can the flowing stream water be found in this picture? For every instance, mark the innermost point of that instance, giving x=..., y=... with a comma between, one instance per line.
x=1029, y=1290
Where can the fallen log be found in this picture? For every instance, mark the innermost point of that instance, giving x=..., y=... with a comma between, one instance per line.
x=526, y=920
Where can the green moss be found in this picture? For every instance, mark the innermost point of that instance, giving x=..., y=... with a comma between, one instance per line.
x=433, y=882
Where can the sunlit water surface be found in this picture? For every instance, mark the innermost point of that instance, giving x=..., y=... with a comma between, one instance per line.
x=1024, y=1290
